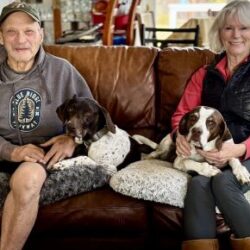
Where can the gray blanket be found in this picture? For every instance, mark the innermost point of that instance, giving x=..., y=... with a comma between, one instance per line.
x=65, y=183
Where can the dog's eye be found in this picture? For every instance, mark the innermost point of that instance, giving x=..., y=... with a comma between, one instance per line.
x=210, y=123
x=70, y=109
x=70, y=127
x=193, y=118
x=87, y=120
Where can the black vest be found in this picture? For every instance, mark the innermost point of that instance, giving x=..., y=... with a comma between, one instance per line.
x=231, y=98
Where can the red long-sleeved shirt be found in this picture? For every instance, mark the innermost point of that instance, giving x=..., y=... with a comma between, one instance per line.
x=192, y=97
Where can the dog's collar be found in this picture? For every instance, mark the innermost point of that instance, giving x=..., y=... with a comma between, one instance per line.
x=98, y=135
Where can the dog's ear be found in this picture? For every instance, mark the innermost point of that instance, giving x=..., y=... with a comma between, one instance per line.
x=183, y=130
x=61, y=109
x=60, y=112
x=109, y=123
x=224, y=135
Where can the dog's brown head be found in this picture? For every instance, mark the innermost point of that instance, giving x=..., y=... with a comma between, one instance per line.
x=202, y=125
x=83, y=117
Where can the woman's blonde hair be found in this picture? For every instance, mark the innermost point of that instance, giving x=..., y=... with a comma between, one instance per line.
x=238, y=9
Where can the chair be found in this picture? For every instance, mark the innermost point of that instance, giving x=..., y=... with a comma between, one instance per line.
x=76, y=35
x=108, y=26
x=106, y=29
x=176, y=36
x=130, y=31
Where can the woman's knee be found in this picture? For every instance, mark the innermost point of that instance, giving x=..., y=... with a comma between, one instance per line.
x=198, y=185
x=198, y=189
x=27, y=180
x=223, y=181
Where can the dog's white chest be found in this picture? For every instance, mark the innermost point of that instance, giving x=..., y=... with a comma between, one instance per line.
x=111, y=148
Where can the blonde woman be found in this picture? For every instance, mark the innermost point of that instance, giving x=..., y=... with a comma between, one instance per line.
x=225, y=85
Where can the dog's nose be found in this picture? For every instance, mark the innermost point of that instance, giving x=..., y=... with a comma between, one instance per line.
x=70, y=127
x=196, y=133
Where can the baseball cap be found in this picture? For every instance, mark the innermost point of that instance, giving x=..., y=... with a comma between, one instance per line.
x=19, y=6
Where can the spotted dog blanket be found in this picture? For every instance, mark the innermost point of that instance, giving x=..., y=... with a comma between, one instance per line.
x=83, y=175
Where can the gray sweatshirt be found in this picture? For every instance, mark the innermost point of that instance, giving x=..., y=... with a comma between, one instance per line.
x=28, y=101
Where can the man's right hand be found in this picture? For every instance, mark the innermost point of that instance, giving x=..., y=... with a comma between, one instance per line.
x=28, y=152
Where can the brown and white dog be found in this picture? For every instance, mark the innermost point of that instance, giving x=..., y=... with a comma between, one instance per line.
x=92, y=128
x=204, y=128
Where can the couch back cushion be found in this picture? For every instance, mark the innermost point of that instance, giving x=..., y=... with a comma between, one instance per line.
x=122, y=79
x=175, y=67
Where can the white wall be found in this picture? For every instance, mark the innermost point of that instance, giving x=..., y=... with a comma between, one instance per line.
x=148, y=4
x=3, y=3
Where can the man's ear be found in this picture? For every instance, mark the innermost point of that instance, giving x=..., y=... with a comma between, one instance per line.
x=41, y=31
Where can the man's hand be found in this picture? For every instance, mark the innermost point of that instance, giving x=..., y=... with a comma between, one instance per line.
x=62, y=147
x=220, y=158
x=28, y=152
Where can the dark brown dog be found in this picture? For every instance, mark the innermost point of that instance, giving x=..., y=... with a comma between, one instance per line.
x=91, y=126
x=83, y=118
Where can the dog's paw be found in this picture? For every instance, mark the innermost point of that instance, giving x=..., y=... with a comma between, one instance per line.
x=209, y=170
x=56, y=167
x=151, y=156
x=69, y=163
x=242, y=175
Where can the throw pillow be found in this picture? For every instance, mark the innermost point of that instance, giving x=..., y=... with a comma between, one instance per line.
x=152, y=180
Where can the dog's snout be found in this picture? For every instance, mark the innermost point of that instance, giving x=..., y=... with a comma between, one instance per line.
x=196, y=133
x=70, y=126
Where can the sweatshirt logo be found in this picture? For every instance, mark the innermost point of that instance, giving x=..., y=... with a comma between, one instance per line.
x=25, y=109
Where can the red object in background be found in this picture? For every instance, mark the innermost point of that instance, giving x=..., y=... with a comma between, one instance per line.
x=99, y=11
x=98, y=18
x=100, y=6
x=121, y=22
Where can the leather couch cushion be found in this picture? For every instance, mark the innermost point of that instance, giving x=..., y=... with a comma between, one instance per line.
x=100, y=210
x=169, y=219
x=175, y=67
x=117, y=77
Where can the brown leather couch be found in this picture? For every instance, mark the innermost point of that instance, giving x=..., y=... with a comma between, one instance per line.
x=140, y=87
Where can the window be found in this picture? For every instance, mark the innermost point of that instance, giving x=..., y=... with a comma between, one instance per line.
x=173, y=13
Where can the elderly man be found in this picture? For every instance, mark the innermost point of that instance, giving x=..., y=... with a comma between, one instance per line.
x=32, y=85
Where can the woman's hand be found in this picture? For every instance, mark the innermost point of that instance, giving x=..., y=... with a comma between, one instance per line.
x=228, y=151
x=28, y=152
x=182, y=146
x=62, y=147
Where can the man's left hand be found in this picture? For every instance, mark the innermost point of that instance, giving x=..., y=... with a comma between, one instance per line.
x=62, y=146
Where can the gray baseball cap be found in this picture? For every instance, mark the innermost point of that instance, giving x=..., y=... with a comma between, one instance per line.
x=20, y=6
